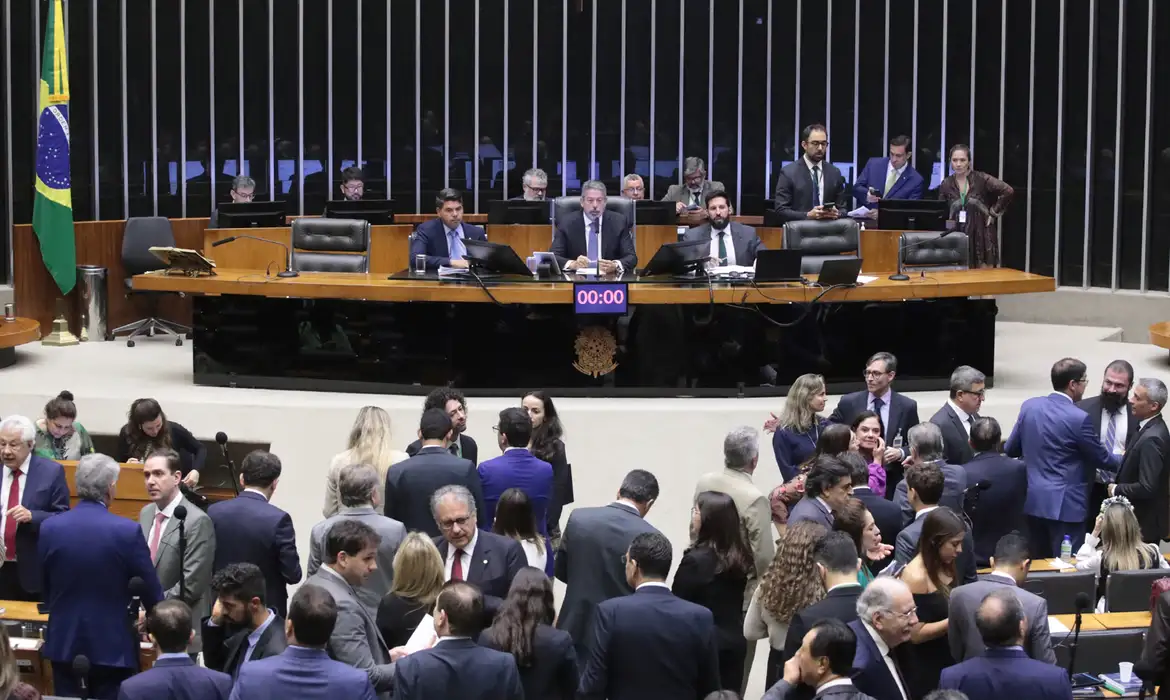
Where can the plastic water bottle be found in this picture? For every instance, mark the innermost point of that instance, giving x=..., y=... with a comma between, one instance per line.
x=1066, y=549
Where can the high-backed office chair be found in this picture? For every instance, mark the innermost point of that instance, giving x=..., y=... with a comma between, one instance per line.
x=1129, y=591
x=920, y=249
x=567, y=206
x=821, y=241
x=141, y=234
x=1060, y=590
x=331, y=245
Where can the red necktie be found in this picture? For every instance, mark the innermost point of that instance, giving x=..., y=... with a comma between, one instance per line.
x=457, y=566
x=9, y=523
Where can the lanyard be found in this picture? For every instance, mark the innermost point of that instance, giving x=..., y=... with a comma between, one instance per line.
x=963, y=193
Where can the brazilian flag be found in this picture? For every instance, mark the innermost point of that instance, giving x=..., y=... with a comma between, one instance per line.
x=53, y=205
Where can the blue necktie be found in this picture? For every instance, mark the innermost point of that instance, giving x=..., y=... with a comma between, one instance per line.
x=592, y=245
x=1111, y=432
x=877, y=408
x=455, y=245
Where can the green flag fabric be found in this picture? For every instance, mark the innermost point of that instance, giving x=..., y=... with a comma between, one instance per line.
x=53, y=204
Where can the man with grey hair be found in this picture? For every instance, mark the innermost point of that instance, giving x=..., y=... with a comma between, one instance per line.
x=1144, y=477
x=692, y=193
x=885, y=615
x=926, y=447
x=959, y=413
x=597, y=237
x=243, y=191
x=89, y=556
x=357, y=486
x=32, y=489
x=633, y=187
x=535, y=184
x=486, y=559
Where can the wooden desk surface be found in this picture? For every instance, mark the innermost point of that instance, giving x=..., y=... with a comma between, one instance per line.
x=21, y=611
x=327, y=285
x=131, y=496
x=18, y=332
x=1096, y=622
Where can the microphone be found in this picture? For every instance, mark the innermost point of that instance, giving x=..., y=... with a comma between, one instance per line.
x=288, y=265
x=81, y=673
x=181, y=514
x=1083, y=603
x=222, y=438
x=899, y=276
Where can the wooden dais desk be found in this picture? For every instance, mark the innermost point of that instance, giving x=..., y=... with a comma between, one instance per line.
x=131, y=496
x=13, y=333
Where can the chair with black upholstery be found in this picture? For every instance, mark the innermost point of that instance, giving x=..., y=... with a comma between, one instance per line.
x=822, y=240
x=567, y=206
x=1060, y=589
x=141, y=234
x=1100, y=651
x=331, y=245
x=1129, y=591
x=926, y=249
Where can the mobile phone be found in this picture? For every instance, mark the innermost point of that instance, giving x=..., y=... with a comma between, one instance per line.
x=831, y=206
x=874, y=192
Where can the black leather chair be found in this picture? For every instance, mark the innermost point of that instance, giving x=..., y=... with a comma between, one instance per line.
x=331, y=245
x=925, y=249
x=1129, y=591
x=567, y=206
x=141, y=234
x=1060, y=590
x=821, y=241
x=1101, y=651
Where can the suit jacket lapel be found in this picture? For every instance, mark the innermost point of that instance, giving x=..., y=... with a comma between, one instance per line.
x=891, y=426
x=479, y=560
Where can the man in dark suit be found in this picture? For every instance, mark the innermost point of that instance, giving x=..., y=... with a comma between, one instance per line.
x=589, y=560
x=896, y=412
x=1113, y=423
x=886, y=515
x=441, y=239
x=837, y=564
x=1010, y=565
x=241, y=627
x=893, y=177
x=456, y=667
x=806, y=188
x=999, y=508
x=1057, y=441
x=828, y=485
x=959, y=413
x=484, y=558
x=454, y=404
x=885, y=615
x=243, y=189
x=825, y=663
x=732, y=243
x=1144, y=477
x=32, y=490
x=925, y=483
x=89, y=556
x=650, y=645
x=175, y=675
x=695, y=187
x=411, y=482
x=926, y=447
x=1004, y=669
x=304, y=671
x=248, y=528
x=595, y=237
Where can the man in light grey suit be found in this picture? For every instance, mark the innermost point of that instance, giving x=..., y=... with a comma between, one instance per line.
x=190, y=572
x=1010, y=569
x=357, y=486
x=351, y=551
x=693, y=191
x=731, y=243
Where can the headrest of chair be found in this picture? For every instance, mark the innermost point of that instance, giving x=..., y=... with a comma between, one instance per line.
x=928, y=248
x=340, y=235
x=568, y=206
x=822, y=237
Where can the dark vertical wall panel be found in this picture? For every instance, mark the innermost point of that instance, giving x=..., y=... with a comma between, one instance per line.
x=1133, y=145
x=1105, y=128
x=872, y=94
x=1074, y=185
x=1044, y=146
x=1013, y=230
x=1158, y=254
x=752, y=186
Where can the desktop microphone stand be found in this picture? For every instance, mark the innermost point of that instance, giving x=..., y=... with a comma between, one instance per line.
x=288, y=264
x=1072, y=648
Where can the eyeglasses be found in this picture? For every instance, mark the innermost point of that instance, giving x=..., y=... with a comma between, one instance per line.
x=246, y=196
x=873, y=373
x=817, y=144
x=979, y=393
x=905, y=616
x=449, y=524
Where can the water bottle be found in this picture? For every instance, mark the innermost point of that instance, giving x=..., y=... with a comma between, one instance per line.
x=1066, y=549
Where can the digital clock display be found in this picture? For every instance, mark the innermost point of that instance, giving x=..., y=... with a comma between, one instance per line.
x=601, y=297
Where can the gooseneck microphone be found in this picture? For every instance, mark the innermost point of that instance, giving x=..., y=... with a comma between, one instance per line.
x=288, y=265
x=81, y=673
x=222, y=439
x=181, y=514
x=1083, y=603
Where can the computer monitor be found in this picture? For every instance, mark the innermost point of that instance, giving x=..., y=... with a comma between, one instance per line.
x=913, y=215
x=654, y=213
x=678, y=258
x=779, y=265
x=250, y=215
x=519, y=211
x=495, y=258
x=375, y=211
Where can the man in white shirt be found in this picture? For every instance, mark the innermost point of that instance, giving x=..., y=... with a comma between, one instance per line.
x=731, y=243
x=885, y=615
x=959, y=413
x=811, y=187
x=595, y=237
x=1113, y=423
x=824, y=662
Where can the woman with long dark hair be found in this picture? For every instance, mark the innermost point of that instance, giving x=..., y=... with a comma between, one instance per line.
x=714, y=573
x=147, y=429
x=978, y=201
x=547, y=444
x=514, y=519
x=868, y=442
x=523, y=628
x=855, y=520
x=930, y=575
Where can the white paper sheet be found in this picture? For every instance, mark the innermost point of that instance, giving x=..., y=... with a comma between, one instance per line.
x=860, y=212
x=1061, y=564
x=586, y=270
x=423, y=636
x=865, y=279
x=1055, y=626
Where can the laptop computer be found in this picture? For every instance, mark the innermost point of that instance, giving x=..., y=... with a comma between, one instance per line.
x=837, y=273
x=778, y=265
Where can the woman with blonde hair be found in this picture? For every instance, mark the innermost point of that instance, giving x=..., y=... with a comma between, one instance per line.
x=11, y=687
x=418, y=578
x=370, y=442
x=790, y=585
x=798, y=429
x=1115, y=544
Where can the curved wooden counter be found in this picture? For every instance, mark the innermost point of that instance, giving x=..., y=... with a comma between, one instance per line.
x=1160, y=334
x=16, y=332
